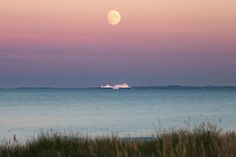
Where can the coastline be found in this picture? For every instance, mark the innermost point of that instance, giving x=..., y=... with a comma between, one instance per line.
x=204, y=140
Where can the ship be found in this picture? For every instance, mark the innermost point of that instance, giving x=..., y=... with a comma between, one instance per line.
x=116, y=86
x=107, y=86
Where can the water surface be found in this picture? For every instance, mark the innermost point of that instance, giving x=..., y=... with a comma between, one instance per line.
x=134, y=112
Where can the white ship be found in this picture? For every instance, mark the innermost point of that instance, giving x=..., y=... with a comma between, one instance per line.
x=116, y=86
x=107, y=86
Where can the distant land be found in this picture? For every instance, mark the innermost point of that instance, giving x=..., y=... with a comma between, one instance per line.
x=188, y=87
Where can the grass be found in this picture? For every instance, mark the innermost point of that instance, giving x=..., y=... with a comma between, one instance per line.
x=203, y=141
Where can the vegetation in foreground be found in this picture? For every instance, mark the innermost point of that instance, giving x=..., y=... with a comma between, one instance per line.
x=203, y=141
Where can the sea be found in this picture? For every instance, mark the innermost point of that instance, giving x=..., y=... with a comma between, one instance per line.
x=135, y=112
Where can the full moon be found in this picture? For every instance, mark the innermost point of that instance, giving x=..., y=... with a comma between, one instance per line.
x=113, y=17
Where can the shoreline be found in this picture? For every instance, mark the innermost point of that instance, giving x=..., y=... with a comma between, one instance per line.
x=204, y=140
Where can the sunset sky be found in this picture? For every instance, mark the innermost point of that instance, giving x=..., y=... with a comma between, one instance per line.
x=69, y=43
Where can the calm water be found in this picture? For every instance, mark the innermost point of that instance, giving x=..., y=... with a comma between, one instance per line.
x=135, y=112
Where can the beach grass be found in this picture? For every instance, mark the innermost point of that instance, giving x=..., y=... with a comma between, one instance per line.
x=204, y=140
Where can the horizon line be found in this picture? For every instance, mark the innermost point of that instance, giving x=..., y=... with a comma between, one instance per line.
x=146, y=86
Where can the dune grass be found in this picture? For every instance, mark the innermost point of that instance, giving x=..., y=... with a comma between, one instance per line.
x=203, y=141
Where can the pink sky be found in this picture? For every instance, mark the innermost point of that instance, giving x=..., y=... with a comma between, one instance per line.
x=157, y=42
